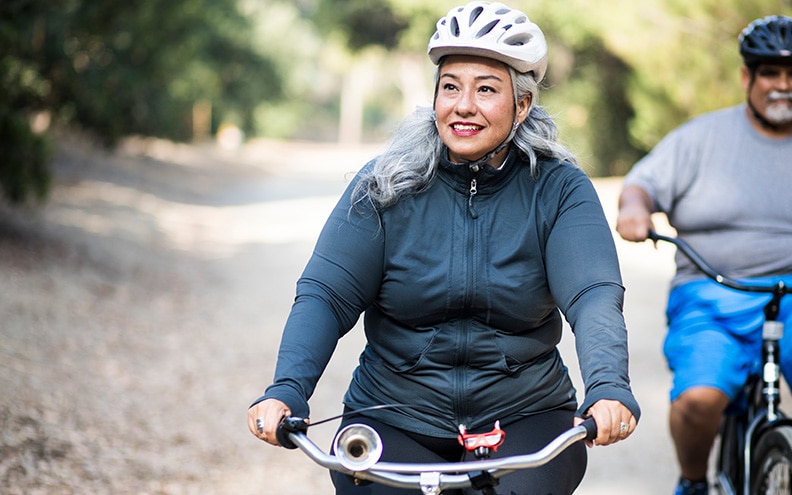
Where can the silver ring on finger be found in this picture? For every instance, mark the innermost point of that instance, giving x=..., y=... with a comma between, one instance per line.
x=260, y=425
x=624, y=427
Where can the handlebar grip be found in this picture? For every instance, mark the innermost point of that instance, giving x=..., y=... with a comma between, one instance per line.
x=591, y=428
x=290, y=425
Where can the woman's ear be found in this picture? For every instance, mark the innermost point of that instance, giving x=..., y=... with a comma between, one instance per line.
x=523, y=106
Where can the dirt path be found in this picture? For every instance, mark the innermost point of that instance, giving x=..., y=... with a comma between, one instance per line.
x=135, y=314
x=140, y=313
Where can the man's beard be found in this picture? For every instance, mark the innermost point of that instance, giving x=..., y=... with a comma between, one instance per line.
x=779, y=107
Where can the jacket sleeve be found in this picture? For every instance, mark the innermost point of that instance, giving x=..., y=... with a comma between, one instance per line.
x=339, y=282
x=585, y=279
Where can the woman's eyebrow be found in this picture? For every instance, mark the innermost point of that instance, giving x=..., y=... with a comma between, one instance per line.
x=478, y=78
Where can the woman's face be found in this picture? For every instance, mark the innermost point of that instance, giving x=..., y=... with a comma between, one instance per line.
x=475, y=107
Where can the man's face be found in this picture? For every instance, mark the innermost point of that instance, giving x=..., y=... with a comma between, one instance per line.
x=770, y=92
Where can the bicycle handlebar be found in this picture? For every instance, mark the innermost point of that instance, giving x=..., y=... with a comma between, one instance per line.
x=431, y=477
x=779, y=288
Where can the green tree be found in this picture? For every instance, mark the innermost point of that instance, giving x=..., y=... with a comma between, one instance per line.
x=674, y=59
x=362, y=25
x=127, y=68
x=139, y=67
x=24, y=176
x=361, y=22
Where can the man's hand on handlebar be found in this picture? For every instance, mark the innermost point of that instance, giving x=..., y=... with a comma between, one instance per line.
x=263, y=419
x=635, y=214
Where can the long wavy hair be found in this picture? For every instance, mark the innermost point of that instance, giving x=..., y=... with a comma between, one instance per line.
x=409, y=163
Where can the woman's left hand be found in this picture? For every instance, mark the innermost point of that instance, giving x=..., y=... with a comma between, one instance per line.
x=614, y=422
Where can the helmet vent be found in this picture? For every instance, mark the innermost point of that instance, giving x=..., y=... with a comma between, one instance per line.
x=474, y=14
x=518, y=40
x=487, y=29
x=454, y=28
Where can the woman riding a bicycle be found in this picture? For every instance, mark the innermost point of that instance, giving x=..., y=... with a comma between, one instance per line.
x=463, y=244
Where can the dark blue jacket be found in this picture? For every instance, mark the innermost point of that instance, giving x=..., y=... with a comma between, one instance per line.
x=461, y=294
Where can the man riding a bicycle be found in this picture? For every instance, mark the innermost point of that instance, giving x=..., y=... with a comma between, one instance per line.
x=722, y=179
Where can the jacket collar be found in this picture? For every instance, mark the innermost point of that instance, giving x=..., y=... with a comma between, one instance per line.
x=488, y=179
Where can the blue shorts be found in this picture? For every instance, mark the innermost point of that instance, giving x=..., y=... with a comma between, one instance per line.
x=715, y=336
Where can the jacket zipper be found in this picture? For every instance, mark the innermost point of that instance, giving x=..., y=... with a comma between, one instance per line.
x=472, y=192
x=463, y=342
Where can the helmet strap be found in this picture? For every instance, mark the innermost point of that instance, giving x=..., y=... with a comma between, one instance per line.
x=476, y=165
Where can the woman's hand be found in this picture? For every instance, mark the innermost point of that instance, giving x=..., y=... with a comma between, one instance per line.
x=263, y=419
x=614, y=422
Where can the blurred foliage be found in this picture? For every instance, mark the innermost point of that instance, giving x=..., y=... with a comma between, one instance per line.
x=621, y=75
x=307, y=63
x=24, y=175
x=116, y=69
x=361, y=22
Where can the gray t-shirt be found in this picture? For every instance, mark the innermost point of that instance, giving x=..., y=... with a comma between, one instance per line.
x=727, y=190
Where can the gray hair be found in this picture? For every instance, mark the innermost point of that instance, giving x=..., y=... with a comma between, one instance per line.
x=409, y=163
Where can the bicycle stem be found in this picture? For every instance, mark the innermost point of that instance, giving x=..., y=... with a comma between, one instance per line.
x=772, y=332
x=771, y=369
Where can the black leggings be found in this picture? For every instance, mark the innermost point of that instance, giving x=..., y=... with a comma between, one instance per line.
x=561, y=476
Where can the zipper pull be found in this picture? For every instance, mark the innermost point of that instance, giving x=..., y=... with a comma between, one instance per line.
x=473, y=191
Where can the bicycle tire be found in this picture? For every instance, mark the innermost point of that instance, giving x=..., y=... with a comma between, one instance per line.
x=730, y=452
x=772, y=464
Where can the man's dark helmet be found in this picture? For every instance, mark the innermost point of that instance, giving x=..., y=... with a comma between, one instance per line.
x=767, y=40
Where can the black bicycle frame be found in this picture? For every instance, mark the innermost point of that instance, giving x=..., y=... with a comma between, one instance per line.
x=763, y=396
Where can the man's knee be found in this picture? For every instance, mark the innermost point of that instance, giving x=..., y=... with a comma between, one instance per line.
x=700, y=404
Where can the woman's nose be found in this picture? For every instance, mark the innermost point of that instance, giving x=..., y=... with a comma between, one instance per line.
x=466, y=104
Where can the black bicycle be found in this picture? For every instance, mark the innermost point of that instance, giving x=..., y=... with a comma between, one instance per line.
x=358, y=448
x=755, y=449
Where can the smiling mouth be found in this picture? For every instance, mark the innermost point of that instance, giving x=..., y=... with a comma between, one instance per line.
x=777, y=96
x=466, y=127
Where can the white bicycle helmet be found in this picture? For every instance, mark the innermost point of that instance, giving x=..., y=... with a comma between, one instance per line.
x=492, y=30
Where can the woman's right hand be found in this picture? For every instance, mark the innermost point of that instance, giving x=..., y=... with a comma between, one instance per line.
x=263, y=419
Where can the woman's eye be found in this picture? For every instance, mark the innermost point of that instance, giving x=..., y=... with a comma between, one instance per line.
x=449, y=87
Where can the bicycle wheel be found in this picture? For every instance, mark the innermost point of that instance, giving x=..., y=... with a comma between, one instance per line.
x=772, y=465
x=730, y=454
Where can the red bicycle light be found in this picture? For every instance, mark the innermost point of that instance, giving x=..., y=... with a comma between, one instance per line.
x=490, y=440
